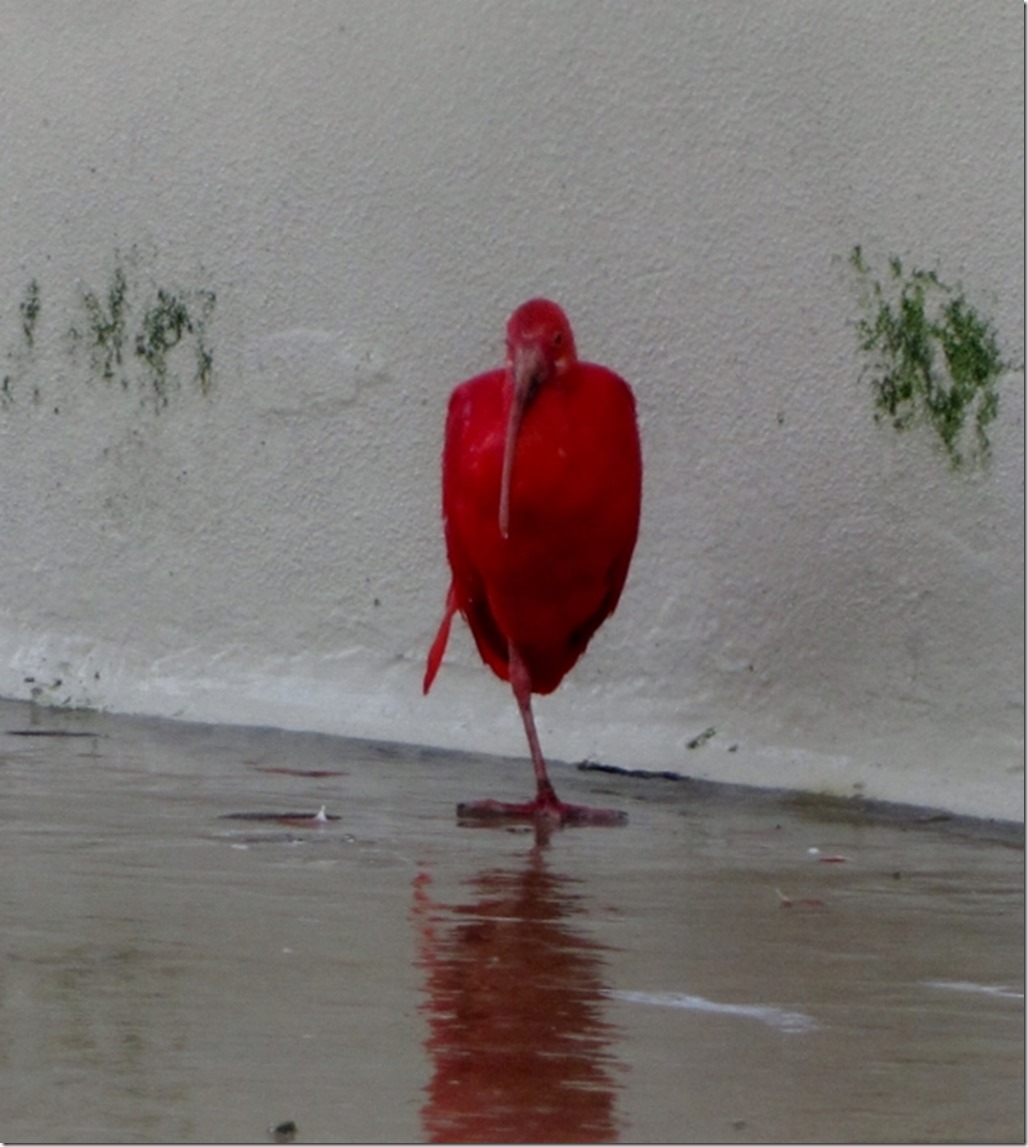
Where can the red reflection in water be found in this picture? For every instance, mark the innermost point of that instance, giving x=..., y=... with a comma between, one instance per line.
x=517, y=1040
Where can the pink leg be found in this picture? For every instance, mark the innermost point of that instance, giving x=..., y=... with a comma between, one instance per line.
x=546, y=805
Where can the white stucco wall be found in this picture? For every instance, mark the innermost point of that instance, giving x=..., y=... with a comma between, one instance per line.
x=346, y=200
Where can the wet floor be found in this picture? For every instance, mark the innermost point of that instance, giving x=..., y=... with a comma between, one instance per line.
x=719, y=970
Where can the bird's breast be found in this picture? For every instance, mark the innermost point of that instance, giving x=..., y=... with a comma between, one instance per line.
x=573, y=516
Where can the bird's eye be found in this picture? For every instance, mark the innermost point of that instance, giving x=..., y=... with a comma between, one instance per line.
x=558, y=339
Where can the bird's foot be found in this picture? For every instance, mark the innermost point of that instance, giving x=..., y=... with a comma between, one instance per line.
x=544, y=808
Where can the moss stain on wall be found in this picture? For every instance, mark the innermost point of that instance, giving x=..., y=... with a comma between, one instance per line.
x=932, y=358
x=167, y=321
x=104, y=332
x=29, y=308
x=149, y=338
x=19, y=356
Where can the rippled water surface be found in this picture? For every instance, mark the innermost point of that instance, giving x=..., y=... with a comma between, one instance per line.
x=209, y=933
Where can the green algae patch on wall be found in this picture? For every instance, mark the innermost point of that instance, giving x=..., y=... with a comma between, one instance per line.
x=136, y=332
x=932, y=358
x=29, y=308
x=20, y=355
x=151, y=339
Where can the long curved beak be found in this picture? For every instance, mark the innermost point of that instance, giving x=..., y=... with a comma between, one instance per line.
x=526, y=372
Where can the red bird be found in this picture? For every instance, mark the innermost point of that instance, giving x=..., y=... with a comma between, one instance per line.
x=542, y=483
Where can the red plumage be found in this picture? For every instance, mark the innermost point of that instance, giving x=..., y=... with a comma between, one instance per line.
x=542, y=482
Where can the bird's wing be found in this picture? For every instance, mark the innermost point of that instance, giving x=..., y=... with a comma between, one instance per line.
x=581, y=635
x=470, y=424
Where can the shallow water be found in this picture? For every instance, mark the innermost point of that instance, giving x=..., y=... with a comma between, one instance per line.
x=174, y=972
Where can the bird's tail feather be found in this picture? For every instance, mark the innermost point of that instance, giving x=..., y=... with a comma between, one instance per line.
x=435, y=654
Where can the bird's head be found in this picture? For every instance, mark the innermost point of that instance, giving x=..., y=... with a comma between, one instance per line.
x=540, y=348
x=540, y=344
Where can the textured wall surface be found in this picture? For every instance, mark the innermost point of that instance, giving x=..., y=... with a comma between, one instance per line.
x=245, y=252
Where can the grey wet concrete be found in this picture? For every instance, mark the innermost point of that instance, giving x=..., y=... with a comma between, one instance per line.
x=171, y=971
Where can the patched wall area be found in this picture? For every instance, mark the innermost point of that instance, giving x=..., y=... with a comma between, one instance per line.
x=248, y=252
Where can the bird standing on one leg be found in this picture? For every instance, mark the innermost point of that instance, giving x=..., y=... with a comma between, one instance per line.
x=542, y=484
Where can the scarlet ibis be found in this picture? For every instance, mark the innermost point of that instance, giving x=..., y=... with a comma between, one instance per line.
x=542, y=484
